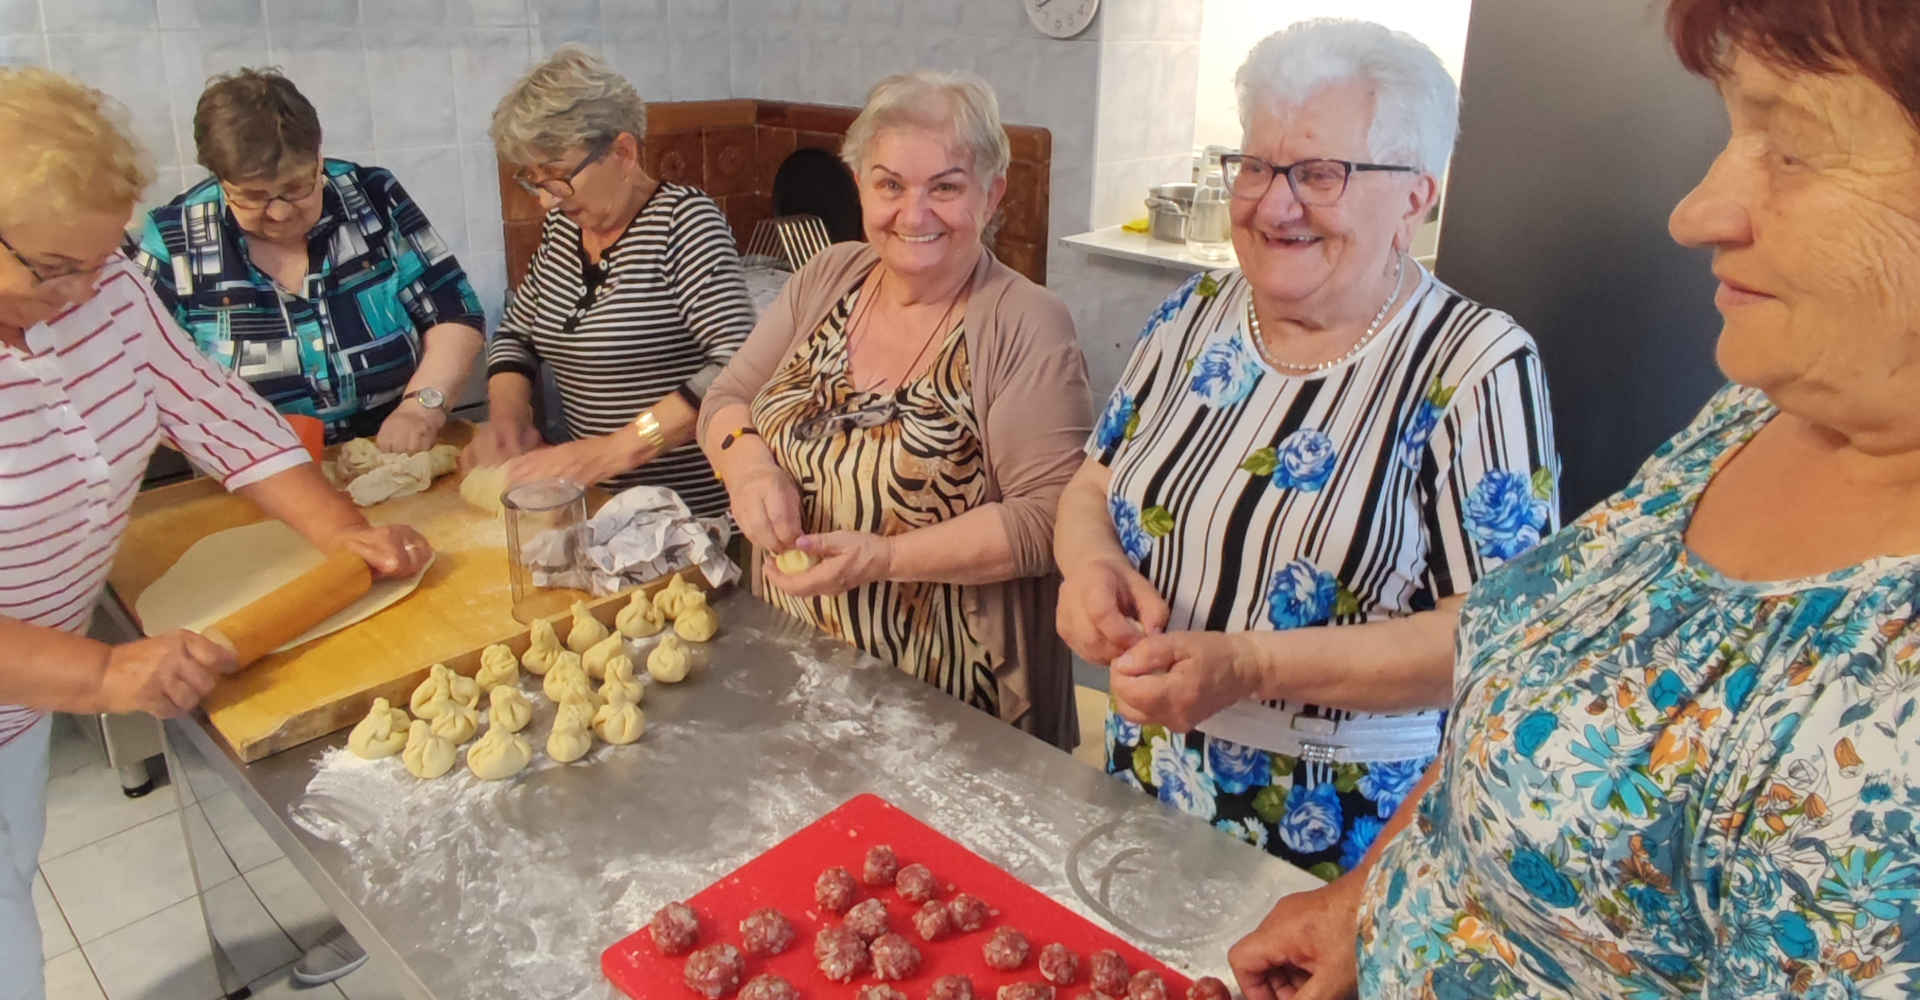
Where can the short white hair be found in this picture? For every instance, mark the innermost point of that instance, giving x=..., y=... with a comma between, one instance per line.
x=959, y=102
x=1416, y=111
x=570, y=100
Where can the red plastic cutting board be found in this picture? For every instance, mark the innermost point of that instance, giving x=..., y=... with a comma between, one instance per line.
x=783, y=879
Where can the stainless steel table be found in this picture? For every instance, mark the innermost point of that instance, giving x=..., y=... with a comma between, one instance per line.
x=478, y=889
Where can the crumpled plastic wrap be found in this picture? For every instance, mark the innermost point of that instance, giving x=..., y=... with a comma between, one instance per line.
x=642, y=534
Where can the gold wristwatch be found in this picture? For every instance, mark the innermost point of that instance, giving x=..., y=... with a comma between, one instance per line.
x=648, y=427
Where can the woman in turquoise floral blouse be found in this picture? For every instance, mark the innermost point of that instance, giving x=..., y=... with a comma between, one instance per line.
x=1684, y=757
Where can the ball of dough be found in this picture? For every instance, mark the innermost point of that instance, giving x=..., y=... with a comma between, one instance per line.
x=360, y=455
x=596, y=656
x=621, y=686
x=794, y=561
x=508, y=709
x=442, y=685
x=586, y=631
x=381, y=734
x=426, y=755
x=543, y=644
x=671, y=596
x=443, y=458
x=396, y=476
x=498, y=666
x=499, y=754
x=457, y=724
x=619, y=722
x=567, y=675
x=572, y=734
x=669, y=661
x=697, y=621
x=639, y=618
x=483, y=488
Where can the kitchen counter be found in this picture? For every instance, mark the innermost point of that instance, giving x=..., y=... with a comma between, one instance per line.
x=478, y=889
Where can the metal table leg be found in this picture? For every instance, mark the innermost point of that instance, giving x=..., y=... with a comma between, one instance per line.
x=231, y=985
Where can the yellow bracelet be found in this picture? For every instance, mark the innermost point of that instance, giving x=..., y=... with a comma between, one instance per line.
x=648, y=427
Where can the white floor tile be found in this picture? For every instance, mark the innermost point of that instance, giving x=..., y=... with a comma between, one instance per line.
x=246, y=841
x=279, y=985
x=165, y=955
x=69, y=977
x=112, y=883
x=375, y=980
x=56, y=937
x=293, y=903
x=76, y=745
x=200, y=781
x=252, y=941
x=86, y=806
x=210, y=860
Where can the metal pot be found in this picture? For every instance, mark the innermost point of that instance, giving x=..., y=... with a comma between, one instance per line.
x=1167, y=208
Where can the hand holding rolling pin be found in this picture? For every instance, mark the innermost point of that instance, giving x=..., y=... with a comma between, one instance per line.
x=165, y=676
x=391, y=550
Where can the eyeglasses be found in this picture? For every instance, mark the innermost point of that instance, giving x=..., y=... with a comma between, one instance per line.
x=292, y=196
x=860, y=411
x=70, y=278
x=1314, y=182
x=561, y=188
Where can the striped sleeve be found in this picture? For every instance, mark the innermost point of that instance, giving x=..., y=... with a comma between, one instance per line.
x=511, y=347
x=1491, y=472
x=704, y=269
x=210, y=413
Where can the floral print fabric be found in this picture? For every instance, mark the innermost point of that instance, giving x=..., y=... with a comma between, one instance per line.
x=1662, y=782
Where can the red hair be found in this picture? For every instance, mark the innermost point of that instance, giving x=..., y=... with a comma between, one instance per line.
x=1880, y=39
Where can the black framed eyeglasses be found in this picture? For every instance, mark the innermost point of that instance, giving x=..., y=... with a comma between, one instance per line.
x=44, y=278
x=293, y=196
x=1314, y=182
x=561, y=188
x=860, y=411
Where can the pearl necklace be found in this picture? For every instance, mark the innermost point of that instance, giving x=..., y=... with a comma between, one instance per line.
x=1260, y=342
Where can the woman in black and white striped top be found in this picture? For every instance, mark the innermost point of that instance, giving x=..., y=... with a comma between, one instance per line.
x=634, y=297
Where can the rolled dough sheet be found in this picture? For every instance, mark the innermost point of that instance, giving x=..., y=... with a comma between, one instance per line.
x=230, y=569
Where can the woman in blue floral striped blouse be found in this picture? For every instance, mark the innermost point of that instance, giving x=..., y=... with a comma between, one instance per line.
x=1684, y=759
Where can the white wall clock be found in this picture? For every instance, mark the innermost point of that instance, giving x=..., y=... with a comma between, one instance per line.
x=1061, y=18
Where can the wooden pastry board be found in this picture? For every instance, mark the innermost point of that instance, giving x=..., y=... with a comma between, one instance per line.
x=462, y=605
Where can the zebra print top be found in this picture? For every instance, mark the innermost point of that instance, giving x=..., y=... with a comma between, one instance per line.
x=924, y=467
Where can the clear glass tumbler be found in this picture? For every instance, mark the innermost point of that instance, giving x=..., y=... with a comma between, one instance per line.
x=546, y=547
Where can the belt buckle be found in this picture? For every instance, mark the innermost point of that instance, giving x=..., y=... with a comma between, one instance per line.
x=1315, y=748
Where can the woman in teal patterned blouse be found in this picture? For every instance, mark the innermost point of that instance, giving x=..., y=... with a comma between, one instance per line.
x=1683, y=758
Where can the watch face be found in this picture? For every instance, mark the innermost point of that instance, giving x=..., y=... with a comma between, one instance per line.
x=1061, y=18
x=432, y=399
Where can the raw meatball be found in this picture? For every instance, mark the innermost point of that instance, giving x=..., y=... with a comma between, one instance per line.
x=767, y=986
x=766, y=932
x=894, y=957
x=1026, y=991
x=841, y=953
x=834, y=890
x=1146, y=985
x=881, y=866
x=968, y=912
x=1107, y=973
x=951, y=988
x=1209, y=988
x=1058, y=965
x=916, y=884
x=1007, y=950
x=868, y=918
x=675, y=928
x=714, y=971
x=879, y=991
x=932, y=921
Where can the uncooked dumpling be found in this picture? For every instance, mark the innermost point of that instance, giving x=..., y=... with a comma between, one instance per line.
x=358, y=456
x=508, y=709
x=572, y=734
x=619, y=723
x=621, y=685
x=669, y=661
x=595, y=659
x=394, y=478
x=443, y=458
x=483, y=488
x=426, y=755
x=673, y=595
x=697, y=621
x=793, y=561
x=586, y=630
x=442, y=686
x=383, y=732
x=498, y=666
x=566, y=672
x=543, y=644
x=639, y=618
x=499, y=754
x=457, y=724
x=578, y=688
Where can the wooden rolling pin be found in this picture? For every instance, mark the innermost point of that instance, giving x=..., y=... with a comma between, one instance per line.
x=293, y=607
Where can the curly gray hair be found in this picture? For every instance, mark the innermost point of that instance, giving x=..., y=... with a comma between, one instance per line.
x=571, y=99
x=961, y=102
x=1416, y=112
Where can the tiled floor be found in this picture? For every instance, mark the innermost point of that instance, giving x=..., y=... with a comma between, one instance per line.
x=115, y=894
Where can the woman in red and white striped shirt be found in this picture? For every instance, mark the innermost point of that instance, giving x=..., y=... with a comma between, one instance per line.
x=94, y=374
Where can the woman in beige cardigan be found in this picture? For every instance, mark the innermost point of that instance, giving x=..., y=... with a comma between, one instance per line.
x=907, y=413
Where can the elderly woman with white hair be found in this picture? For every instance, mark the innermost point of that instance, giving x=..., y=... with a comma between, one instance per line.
x=905, y=416
x=1326, y=436
x=635, y=297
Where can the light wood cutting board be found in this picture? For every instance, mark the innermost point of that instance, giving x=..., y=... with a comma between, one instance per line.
x=463, y=604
